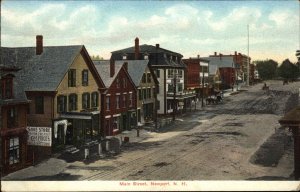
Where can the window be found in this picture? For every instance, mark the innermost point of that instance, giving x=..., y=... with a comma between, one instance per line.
x=72, y=78
x=124, y=83
x=140, y=94
x=95, y=99
x=145, y=93
x=118, y=82
x=153, y=93
x=146, y=57
x=149, y=77
x=170, y=73
x=14, y=150
x=130, y=99
x=149, y=93
x=144, y=78
x=180, y=73
x=12, y=117
x=124, y=100
x=7, y=88
x=170, y=88
x=85, y=101
x=157, y=73
x=118, y=101
x=61, y=103
x=157, y=89
x=107, y=103
x=72, y=102
x=39, y=105
x=179, y=87
x=124, y=57
x=85, y=77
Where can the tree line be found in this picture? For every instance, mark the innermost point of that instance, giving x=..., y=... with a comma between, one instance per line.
x=270, y=69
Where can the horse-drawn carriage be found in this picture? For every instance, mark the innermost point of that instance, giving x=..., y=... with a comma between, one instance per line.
x=215, y=98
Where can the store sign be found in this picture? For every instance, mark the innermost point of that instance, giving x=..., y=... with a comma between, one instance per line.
x=39, y=136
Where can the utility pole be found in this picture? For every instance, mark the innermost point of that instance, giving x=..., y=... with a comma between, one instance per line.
x=248, y=59
x=174, y=95
x=202, y=99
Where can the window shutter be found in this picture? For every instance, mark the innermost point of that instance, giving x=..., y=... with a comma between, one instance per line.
x=75, y=102
x=70, y=102
x=82, y=101
x=69, y=79
x=88, y=100
x=65, y=104
x=58, y=104
x=74, y=78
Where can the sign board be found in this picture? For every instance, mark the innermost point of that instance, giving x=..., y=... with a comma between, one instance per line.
x=39, y=136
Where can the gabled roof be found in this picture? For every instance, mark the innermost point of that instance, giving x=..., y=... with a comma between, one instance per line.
x=103, y=68
x=41, y=72
x=220, y=61
x=136, y=69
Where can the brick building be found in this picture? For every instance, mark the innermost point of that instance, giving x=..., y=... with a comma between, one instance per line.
x=14, y=152
x=120, y=98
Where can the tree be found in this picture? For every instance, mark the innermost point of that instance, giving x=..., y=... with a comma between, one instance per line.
x=266, y=68
x=288, y=70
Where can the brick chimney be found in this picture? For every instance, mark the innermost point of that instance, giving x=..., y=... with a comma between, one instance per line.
x=112, y=68
x=215, y=53
x=136, y=49
x=220, y=56
x=39, y=44
x=198, y=56
x=235, y=53
x=157, y=45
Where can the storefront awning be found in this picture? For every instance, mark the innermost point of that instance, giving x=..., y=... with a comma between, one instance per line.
x=79, y=115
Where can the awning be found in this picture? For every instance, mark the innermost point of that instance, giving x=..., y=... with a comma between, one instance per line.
x=66, y=116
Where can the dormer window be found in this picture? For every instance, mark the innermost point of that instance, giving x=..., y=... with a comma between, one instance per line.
x=124, y=57
x=146, y=56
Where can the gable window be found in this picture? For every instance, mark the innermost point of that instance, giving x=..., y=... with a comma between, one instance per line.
x=95, y=98
x=107, y=103
x=118, y=101
x=39, y=105
x=144, y=78
x=72, y=102
x=149, y=77
x=61, y=103
x=130, y=99
x=146, y=57
x=72, y=78
x=124, y=100
x=85, y=101
x=85, y=77
x=14, y=150
x=124, y=57
x=118, y=82
x=12, y=117
x=124, y=83
x=7, y=88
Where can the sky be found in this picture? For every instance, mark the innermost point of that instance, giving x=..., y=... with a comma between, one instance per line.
x=188, y=27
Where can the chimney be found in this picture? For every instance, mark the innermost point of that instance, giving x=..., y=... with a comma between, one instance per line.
x=198, y=56
x=235, y=53
x=112, y=68
x=136, y=49
x=39, y=44
x=126, y=66
x=215, y=53
x=220, y=56
x=157, y=45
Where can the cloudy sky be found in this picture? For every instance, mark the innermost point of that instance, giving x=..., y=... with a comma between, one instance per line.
x=187, y=27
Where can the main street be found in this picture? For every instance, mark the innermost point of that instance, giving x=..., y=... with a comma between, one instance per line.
x=239, y=139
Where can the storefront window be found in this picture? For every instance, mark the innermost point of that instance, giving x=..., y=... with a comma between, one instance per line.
x=14, y=151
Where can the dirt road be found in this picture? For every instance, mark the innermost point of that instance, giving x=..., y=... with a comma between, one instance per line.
x=224, y=142
x=239, y=139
